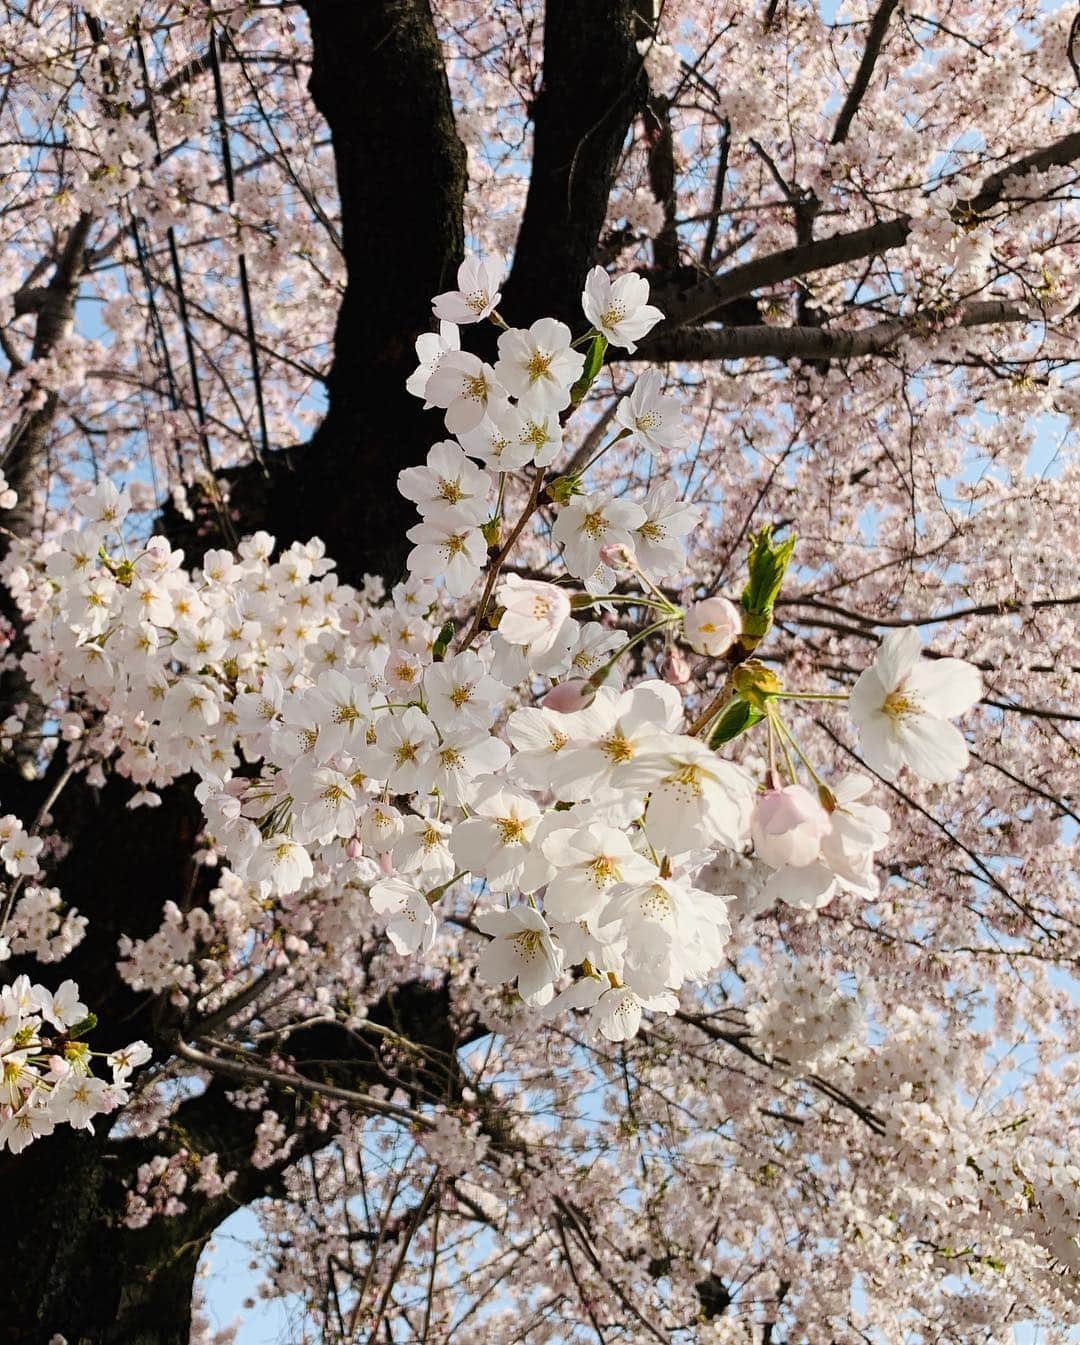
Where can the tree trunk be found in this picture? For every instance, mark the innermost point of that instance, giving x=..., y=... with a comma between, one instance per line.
x=71, y=1266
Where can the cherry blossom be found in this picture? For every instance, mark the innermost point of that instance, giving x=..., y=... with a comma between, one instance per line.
x=619, y=309
x=476, y=296
x=902, y=704
x=530, y=922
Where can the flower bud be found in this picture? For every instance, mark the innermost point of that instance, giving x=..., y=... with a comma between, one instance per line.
x=618, y=555
x=674, y=667
x=712, y=627
x=788, y=826
x=566, y=697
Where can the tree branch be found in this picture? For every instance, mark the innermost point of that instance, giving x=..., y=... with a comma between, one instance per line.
x=692, y=304
x=379, y=79
x=878, y=28
x=593, y=85
x=809, y=343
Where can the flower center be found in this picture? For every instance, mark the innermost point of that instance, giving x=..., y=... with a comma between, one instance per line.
x=538, y=365
x=686, y=781
x=656, y=904
x=511, y=830
x=616, y=748
x=900, y=706
x=537, y=435
x=528, y=944
x=603, y=870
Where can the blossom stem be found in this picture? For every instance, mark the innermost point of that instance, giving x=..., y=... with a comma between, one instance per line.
x=598, y=677
x=632, y=600
x=531, y=507
x=786, y=733
x=600, y=452
x=585, y=339
x=702, y=722
x=811, y=695
x=774, y=773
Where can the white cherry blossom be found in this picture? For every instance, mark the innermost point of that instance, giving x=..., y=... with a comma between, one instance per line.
x=534, y=613
x=538, y=366
x=901, y=706
x=476, y=296
x=464, y=386
x=653, y=420
x=521, y=949
x=449, y=482
x=619, y=309
x=410, y=922
x=590, y=522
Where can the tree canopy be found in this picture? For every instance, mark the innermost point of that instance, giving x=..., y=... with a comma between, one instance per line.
x=538, y=634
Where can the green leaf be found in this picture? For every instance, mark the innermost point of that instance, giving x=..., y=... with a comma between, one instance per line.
x=563, y=489
x=739, y=716
x=81, y=1029
x=767, y=566
x=442, y=644
x=593, y=360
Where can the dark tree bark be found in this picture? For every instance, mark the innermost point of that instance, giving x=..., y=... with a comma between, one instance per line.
x=378, y=79
x=593, y=83
x=70, y=1265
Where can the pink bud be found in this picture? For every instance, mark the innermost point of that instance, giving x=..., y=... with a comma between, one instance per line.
x=712, y=627
x=618, y=555
x=788, y=826
x=566, y=697
x=674, y=667
x=386, y=863
x=353, y=848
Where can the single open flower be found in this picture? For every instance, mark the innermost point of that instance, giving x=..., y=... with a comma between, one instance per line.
x=901, y=707
x=533, y=614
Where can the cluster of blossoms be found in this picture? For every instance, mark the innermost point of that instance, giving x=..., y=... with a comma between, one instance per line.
x=46, y=1076
x=160, y=1185
x=34, y=920
x=437, y=749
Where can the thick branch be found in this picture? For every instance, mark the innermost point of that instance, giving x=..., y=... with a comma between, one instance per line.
x=809, y=343
x=698, y=302
x=878, y=28
x=593, y=84
x=379, y=80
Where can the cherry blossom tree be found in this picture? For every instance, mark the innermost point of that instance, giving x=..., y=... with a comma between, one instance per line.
x=538, y=589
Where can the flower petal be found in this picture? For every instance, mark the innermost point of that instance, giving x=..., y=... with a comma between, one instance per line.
x=946, y=687
x=933, y=748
